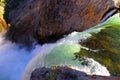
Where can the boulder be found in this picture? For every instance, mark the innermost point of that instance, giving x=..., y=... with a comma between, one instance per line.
x=48, y=20
x=65, y=73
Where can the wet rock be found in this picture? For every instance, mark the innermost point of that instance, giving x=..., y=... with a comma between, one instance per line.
x=58, y=73
x=65, y=73
x=47, y=20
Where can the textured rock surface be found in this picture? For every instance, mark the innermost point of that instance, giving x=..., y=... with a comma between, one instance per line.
x=46, y=20
x=65, y=73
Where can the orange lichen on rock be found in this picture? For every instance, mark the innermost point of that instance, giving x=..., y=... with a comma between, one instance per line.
x=3, y=24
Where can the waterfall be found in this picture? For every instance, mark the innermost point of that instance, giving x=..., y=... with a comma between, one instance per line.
x=17, y=63
x=12, y=60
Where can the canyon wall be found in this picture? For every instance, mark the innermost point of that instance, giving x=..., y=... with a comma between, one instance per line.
x=47, y=20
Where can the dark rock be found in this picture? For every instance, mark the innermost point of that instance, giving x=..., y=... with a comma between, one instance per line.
x=65, y=73
x=48, y=20
x=58, y=73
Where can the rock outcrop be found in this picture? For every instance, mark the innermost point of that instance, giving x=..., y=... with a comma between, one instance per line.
x=3, y=24
x=65, y=73
x=47, y=20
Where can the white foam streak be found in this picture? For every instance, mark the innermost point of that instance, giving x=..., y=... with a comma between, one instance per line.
x=14, y=61
x=74, y=37
x=95, y=68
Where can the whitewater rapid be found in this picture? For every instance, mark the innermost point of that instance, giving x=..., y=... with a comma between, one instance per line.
x=17, y=63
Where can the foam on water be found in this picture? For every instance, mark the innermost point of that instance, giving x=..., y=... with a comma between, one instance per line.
x=64, y=47
x=18, y=63
x=15, y=61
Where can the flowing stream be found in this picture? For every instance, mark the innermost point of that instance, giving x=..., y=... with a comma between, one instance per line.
x=17, y=63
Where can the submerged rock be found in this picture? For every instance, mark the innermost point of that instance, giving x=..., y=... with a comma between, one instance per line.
x=48, y=20
x=65, y=73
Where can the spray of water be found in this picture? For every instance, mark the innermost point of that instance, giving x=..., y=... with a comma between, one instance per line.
x=18, y=63
x=12, y=60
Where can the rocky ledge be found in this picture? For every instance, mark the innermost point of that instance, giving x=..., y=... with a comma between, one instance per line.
x=47, y=20
x=65, y=73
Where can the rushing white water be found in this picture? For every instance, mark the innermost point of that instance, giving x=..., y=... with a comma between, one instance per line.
x=18, y=63
x=12, y=60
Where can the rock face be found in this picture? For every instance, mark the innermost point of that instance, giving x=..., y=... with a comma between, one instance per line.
x=47, y=20
x=65, y=73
